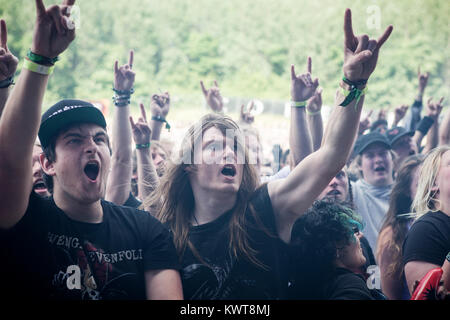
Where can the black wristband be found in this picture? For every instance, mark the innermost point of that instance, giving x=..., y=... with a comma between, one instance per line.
x=7, y=82
x=425, y=125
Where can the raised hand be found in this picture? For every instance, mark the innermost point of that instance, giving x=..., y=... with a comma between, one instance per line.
x=302, y=87
x=434, y=108
x=423, y=80
x=365, y=123
x=160, y=105
x=141, y=130
x=360, y=53
x=213, y=97
x=246, y=116
x=400, y=112
x=53, y=32
x=314, y=104
x=8, y=62
x=124, y=76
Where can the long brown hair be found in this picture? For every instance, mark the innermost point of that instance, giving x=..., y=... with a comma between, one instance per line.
x=173, y=201
x=398, y=215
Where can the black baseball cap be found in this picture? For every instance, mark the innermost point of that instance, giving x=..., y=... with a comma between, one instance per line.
x=67, y=112
x=396, y=133
x=367, y=139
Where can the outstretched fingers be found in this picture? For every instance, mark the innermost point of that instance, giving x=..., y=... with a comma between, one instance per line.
x=349, y=36
x=143, y=114
x=131, y=58
x=205, y=92
x=40, y=8
x=382, y=39
x=3, y=35
x=309, y=65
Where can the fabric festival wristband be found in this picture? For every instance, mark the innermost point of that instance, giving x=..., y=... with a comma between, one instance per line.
x=351, y=95
x=142, y=145
x=309, y=113
x=41, y=59
x=161, y=119
x=448, y=256
x=37, y=68
x=298, y=104
x=7, y=82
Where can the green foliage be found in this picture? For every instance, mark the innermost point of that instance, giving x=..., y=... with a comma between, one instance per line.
x=247, y=46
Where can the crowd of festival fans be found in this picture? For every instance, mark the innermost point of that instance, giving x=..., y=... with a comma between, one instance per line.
x=355, y=209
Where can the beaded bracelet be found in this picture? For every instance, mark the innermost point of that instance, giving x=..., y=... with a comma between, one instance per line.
x=298, y=104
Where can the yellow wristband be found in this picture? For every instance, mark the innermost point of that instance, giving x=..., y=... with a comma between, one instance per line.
x=37, y=68
x=298, y=104
x=309, y=113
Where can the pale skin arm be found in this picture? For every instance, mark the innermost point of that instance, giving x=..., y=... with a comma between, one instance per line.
x=434, y=110
x=302, y=88
x=288, y=196
x=314, y=118
x=415, y=271
x=8, y=64
x=159, y=107
x=24, y=107
x=444, y=131
x=163, y=285
x=147, y=176
x=119, y=180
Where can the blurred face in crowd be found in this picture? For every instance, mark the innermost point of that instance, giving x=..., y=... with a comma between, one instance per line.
x=337, y=189
x=158, y=155
x=219, y=170
x=82, y=163
x=38, y=182
x=351, y=256
x=377, y=165
x=404, y=147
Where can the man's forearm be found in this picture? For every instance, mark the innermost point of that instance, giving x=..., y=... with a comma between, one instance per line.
x=341, y=131
x=22, y=110
x=147, y=177
x=316, y=129
x=299, y=137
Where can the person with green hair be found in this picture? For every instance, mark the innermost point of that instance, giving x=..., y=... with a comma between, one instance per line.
x=326, y=255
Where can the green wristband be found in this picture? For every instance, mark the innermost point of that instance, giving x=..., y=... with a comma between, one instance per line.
x=142, y=145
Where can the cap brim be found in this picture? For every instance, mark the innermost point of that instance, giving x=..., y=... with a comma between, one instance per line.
x=367, y=144
x=408, y=133
x=50, y=127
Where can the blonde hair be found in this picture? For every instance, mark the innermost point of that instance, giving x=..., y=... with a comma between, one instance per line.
x=173, y=201
x=425, y=200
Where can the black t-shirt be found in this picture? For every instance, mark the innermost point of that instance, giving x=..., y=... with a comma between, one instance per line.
x=220, y=275
x=132, y=201
x=47, y=255
x=347, y=285
x=428, y=239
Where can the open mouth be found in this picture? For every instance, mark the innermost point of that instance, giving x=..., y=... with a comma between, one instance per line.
x=91, y=170
x=412, y=152
x=39, y=186
x=229, y=170
x=333, y=193
x=380, y=169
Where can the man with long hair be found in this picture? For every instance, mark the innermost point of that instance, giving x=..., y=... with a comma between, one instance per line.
x=227, y=231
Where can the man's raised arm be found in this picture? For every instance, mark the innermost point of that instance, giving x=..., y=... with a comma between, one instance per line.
x=292, y=196
x=19, y=123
